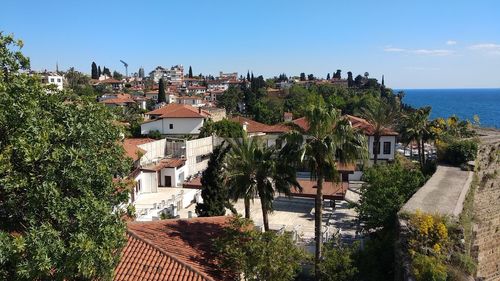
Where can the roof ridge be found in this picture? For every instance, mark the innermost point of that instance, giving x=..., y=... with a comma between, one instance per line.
x=151, y=244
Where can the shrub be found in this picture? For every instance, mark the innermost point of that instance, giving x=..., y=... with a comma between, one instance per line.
x=464, y=262
x=338, y=264
x=154, y=134
x=426, y=268
x=458, y=152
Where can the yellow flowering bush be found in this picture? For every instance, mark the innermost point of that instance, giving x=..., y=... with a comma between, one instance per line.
x=428, y=233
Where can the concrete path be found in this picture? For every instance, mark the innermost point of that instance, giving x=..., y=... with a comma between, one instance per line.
x=443, y=193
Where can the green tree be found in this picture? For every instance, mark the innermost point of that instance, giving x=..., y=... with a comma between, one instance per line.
x=350, y=81
x=339, y=263
x=382, y=117
x=330, y=138
x=255, y=169
x=59, y=214
x=161, y=91
x=328, y=76
x=117, y=75
x=230, y=99
x=386, y=189
x=257, y=256
x=224, y=128
x=214, y=192
x=94, y=73
x=416, y=127
x=11, y=58
x=302, y=76
x=190, y=73
x=76, y=79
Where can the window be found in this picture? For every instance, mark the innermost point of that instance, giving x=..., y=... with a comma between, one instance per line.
x=59, y=80
x=387, y=147
x=203, y=157
x=52, y=80
x=279, y=143
x=171, y=126
x=376, y=148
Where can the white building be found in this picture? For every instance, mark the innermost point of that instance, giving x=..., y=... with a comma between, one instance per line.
x=160, y=169
x=53, y=79
x=173, y=75
x=175, y=119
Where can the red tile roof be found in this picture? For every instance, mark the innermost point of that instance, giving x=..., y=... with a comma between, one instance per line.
x=257, y=127
x=174, y=110
x=119, y=99
x=131, y=146
x=172, y=250
x=356, y=122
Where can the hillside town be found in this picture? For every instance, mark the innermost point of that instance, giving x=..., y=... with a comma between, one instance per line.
x=169, y=175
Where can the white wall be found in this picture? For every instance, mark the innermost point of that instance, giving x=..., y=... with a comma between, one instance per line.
x=181, y=126
x=148, y=182
x=155, y=125
x=382, y=156
x=154, y=151
x=195, y=148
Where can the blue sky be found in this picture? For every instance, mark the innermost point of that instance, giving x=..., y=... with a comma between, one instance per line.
x=422, y=44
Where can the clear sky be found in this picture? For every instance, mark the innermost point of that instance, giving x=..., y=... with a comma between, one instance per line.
x=415, y=44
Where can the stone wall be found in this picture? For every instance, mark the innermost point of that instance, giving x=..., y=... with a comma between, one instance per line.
x=486, y=234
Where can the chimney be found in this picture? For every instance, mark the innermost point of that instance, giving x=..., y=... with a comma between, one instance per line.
x=199, y=110
x=245, y=126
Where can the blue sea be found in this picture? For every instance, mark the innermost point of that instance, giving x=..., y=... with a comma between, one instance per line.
x=464, y=103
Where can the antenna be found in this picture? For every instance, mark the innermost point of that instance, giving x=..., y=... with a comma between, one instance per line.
x=126, y=67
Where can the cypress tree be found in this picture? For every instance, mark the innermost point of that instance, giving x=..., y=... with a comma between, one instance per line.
x=94, y=73
x=99, y=72
x=248, y=75
x=214, y=193
x=328, y=76
x=161, y=91
x=190, y=73
x=350, y=81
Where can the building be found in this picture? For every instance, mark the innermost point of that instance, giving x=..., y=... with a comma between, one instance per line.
x=191, y=100
x=269, y=133
x=175, y=119
x=385, y=150
x=108, y=83
x=52, y=78
x=197, y=90
x=171, y=250
x=159, y=171
x=120, y=100
x=174, y=75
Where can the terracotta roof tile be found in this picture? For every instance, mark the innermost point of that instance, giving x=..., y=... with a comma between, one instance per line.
x=131, y=146
x=257, y=127
x=174, y=110
x=172, y=250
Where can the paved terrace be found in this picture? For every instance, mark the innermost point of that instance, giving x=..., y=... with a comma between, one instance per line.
x=444, y=192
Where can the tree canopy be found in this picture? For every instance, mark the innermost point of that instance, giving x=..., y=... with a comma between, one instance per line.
x=59, y=216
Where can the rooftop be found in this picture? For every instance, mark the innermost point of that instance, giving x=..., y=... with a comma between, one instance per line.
x=257, y=127
x=171, y=250
x=131, y=147
x=179, y=111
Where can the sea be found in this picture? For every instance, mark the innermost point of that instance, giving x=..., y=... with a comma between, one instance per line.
x=464, y=103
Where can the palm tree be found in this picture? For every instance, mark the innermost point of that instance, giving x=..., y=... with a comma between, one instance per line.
x=381, y=117
x=255, y=169
x=416, y=128
x=330, y=138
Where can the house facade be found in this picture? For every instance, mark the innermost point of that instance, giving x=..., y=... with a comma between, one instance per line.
x=175, y=119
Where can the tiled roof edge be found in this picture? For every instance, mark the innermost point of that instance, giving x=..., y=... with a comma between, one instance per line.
x=190, y=268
